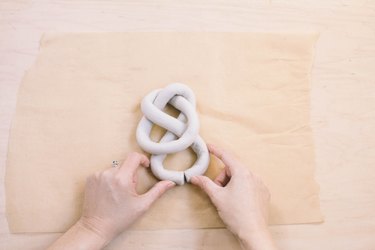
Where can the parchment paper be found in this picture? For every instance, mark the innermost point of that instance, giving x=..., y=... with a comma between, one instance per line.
x=78, y=108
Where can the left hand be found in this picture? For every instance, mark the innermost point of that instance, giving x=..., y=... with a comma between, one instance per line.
x=111, y=202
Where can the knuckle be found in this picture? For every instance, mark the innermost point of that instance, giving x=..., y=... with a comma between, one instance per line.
x=205, y=185
x=93, y=178
x=248, y=175
x=157, y=194
x=268, y=195
x=106, y=175
x=120, y=180
x=144, y=204
x=90, y=179
x=267, y=191
x=219, y=153
x=228, y=155
x=96, y=175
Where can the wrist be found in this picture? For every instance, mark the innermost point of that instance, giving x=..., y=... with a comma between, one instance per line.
x=256, y=239
x=251, y=228
x=79, y=237
x=95, y=229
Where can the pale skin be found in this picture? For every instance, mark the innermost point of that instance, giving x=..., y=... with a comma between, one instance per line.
x=112, y=204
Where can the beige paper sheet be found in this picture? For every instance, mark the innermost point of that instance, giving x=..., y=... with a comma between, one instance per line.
x=78, y=108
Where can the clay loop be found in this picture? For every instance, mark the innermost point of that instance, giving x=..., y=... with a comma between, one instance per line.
x=182, y=132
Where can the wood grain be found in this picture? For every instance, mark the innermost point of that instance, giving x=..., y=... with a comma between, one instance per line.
x=343, y=101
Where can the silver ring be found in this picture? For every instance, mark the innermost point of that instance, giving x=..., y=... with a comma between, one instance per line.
x=115, y=164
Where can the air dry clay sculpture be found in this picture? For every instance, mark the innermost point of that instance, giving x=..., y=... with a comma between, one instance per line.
x=182, y=132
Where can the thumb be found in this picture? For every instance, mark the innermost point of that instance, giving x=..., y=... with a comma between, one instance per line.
x=205, y=183
x=157, y=191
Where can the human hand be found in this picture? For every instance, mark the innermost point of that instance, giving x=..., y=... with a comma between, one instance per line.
x=111, y=202
x=241, y=199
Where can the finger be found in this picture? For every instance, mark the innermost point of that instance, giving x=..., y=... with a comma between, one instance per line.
x=228, y=159
x=223, y=178
x=132, y=162
x=157, y=191
x=206, y=184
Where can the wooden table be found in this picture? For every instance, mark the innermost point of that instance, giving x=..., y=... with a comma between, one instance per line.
x=343, y=101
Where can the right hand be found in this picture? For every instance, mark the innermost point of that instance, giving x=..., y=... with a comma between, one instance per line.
x=241, y=199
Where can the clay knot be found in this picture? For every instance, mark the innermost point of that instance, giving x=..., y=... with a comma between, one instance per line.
x=182, y=132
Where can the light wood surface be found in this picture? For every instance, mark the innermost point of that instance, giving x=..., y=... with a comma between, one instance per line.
x=343, y=101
